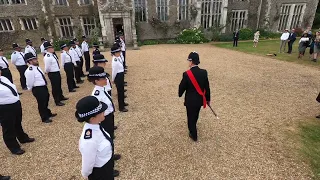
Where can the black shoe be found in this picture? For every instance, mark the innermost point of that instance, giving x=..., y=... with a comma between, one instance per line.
x=80, y=82
x=318, y=116
x=72, y=90
x=116, y=157
x=18, y=152
x=115, y=127
x=76, y=87
x=193, y=138
x=47, y=121
x=125, y=85
x=28, y=140
x=60, y=104
x=116, y=173
x=19, y=95
x=126, y=104
x=4, y=177
x=24, y=88
x=64, y=98
x=125, y=82
x=314, y=60
x=124, y=110
x=53, y=115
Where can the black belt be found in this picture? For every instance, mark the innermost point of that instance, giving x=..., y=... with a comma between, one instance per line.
x=39, y=86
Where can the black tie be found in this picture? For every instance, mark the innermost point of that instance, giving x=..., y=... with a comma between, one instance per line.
x=5, y=62
x=11, y=89
x=107, y=137
x=44, y=78
x=109, y=99
x=56, y=60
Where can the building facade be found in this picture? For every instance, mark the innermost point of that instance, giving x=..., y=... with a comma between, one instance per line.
x=144, y=19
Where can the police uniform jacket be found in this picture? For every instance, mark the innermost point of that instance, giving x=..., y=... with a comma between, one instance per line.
x=43, y=51
x=79, y=51
x=108, y=86
x=102, y=95
x=34, y=77
x=67, y=58
x=74, y=54
x=117, y=66
x=51, y=63
x=17, y=58
x=7, y=96
x=85, y=46
x=123, y=45
x=95, y=149
x=4, y=62
x=192, y=97
x=30, y=49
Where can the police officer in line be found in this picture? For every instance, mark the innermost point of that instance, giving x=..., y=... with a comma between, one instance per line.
x=76, y=57
x=118, y=44
x=85, y=50
x=123, y=49
x=193, y=99
x=80, y=53
x=5, y=67
x=118, y=76
x=11, y=116
x=43, y=51
x=17, y=58
x=95, y=144
x=99, y=60
x=52, y=67
x=68, y=64
x=37, y=82
x=95, y=49
x=29, y=48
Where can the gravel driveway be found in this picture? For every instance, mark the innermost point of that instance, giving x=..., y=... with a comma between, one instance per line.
x=257, y=98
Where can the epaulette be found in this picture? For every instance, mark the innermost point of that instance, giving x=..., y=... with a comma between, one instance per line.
x=48, y=55
x=115, y=59
x=88, y=134
x=30, y=68
x=97, y=92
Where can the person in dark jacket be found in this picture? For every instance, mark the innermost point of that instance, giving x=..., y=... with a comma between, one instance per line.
x=291, y=39
x=235, y=38
x=193, y=100
x=95, y=49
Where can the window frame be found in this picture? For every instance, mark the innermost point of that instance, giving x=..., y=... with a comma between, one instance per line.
x=211, y=14
x=86, y=24
x=166, y=7
x=66, y=26
x=80, y=2
x=144, y=16
x=34, y=23
x=6, y=22
x=56, y=4
x=186, y=10
x=235, y=21
x=10, y=2
x=293, y=18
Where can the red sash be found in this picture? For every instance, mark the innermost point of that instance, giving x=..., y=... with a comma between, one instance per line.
x=196, y=85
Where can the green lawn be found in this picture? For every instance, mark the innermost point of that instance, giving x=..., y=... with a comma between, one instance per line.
x=269, y=46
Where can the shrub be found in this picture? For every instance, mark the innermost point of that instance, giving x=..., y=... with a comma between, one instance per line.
x=246, y=34
x=268, y=34
x=171, y=41
x=191, y=36
x=58, y=42
x=226, y=37
x=216, y=32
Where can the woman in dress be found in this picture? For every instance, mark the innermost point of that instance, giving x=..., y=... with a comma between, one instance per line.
x=256, y=38
x=316, y=48
x=303, y=43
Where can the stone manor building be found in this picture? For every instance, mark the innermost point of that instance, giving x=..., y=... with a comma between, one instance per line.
x=144, y=19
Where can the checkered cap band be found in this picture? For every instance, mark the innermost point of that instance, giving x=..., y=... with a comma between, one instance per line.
x=99, y=60
x=98, y=75
x=117, y=50
x=94, y=111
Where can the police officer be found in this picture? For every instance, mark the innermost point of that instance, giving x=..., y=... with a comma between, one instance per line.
x=29, y=48
x=99, y=60
x=80, y=53
x=52, y=67
x=96, y=145
x=76, y=57
x=85, y=50
x=17, y=58
x=196, y=85
x=118, y=76
x=68, y=64
x=95, y=49
x=11, y=116
x=123, y=49
x=43, y=51
x=118, y=44
x=37, y=82
x=5, y=67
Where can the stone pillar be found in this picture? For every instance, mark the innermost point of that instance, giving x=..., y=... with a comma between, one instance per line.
x=197, y=22
x=127, y=29
x=224, y=15
x=134, y=33
x=109, y=30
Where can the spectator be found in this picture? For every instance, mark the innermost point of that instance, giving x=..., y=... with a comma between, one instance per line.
x=303, y=43
x=291, y=39
x=284, y=39
x=256, y=38
x=311, y=45
x=235, y=38
x=316, y=47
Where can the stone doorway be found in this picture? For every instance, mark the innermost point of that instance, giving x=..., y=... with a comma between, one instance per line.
x=117, y=25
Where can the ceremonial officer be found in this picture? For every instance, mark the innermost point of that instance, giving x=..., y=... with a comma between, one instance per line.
x=38, y=84
x=43, y=51
x=5, y=67
x=118, y=76
x=11, y=116
x=52, y=67
x=68, y=64
x=95, y=144
x=99, y=60
x=95, y=49
x=76, y=57
x=196, y=85
x=85, y=50
x=29, y=48
x=80, y=53
x=17, y=58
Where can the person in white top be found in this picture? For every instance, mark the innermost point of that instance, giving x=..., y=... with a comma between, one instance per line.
x=43, y=51
x=17, y=58
x=76, y=57
x=284, y=39
x=303, y=44
x=85, y=50
x=11, y=116
x=68, y=64
x=79, y=51
x=5, y=67
x=99, y=60
x=123, y=49
x=95, y=144
x=29, y=48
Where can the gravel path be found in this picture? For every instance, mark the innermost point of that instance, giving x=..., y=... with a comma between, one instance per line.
x=257, y=98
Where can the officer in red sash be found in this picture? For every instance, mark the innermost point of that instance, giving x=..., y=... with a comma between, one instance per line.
x=195, y=83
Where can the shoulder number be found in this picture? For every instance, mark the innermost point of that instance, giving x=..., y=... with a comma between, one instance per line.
x=30, y=68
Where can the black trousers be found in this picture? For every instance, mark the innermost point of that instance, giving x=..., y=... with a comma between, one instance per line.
x=193, y=115
x=124, y=58
x=108, y=124
x=81, y=66
x=77, y=71
x=87, y=59
x=21, y=70
x=11, y=118
x=119, y=81
x=68, y=68
x=55, y=78
x=235, y=42
x=290, y=43
x=42, y=95
x=103, y=173
x=7, y=73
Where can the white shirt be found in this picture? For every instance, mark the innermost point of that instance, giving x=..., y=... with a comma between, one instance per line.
x=51, y=63
x=66, y=58
x=102, y=95
x=123, y=45
x=4, y=62
x=96, y=150
x=6, y=94
x=43, y=51
x=85, y=46
x=17, y=58
x=117, y=66
x=79, y=51
x=284, y=36
x=108, y=86
x=304, y=39
x=34, y=77
x=74, y=54
x=30, y=49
